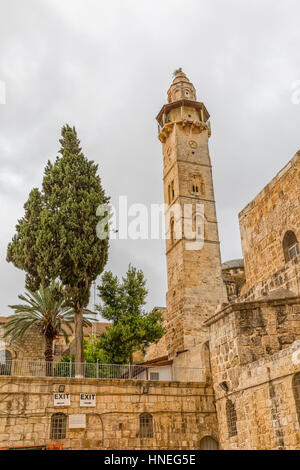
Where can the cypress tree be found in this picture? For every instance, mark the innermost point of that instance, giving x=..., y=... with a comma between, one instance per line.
x=56, y=238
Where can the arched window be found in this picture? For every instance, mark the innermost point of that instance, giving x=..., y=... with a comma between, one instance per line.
x=58, y=426
x=208, y=443
x=146, y=425
x=196, y=184
x=231, y=418
x=296, y=389
x=5, y=362
x=290, y=246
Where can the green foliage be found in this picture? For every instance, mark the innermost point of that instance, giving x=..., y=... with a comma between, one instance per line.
x=45, y=312
x=94, y=358
x=92, y=351
x=65, y=367
x=67, y=358
x=122, y=303
x=56, y=238
x=24, y=251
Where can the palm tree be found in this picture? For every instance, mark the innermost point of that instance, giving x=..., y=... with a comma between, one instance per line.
x=45, y=311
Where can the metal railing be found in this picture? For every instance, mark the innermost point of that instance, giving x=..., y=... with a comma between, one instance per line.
x=34, y=368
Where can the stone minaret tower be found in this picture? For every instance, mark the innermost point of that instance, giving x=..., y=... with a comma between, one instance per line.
x=195, y=286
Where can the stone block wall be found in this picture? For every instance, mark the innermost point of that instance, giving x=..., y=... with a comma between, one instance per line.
x=254, y=354
x=265, y=405
x=287, y=277
x=182, y=413
x=30, y=348
x=266, y=219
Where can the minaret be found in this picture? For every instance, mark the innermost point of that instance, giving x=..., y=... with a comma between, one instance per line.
x=195, y=285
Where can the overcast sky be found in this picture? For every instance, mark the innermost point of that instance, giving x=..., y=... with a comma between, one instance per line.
x=105, y=67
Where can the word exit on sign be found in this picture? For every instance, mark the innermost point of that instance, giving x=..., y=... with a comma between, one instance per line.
x=87, y=399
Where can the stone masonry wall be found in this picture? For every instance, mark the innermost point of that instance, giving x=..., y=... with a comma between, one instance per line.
x=252, y=353
x=182, y=413
x=30, y=348
x=287, y=277
x=265, y=405
x=266, y=219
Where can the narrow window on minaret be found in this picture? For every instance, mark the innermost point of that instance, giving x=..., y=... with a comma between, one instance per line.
x=172, y=230
x=169, y=194
x=172, y=190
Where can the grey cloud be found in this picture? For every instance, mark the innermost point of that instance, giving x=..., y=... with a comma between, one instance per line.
x=106, y=66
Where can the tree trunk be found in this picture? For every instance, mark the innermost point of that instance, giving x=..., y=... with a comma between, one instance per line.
x=78, y=343
x=49, y=355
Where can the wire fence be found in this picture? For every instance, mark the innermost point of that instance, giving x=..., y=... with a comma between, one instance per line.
x=33, y=368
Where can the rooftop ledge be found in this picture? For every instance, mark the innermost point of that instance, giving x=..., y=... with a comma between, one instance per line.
x=237, y=306
x=4, y=379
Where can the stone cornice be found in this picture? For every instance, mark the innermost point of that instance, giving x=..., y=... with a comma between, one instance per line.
x=199, y=126
x=176, y=241
x=179, y=160
x=238, y=306
x=181, y=103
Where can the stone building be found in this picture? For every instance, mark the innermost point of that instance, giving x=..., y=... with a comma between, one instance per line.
x=255, y=362
x=33, y=346
x=233, y=273
x=127, y=414
x=249, y=346
x=254, y=341
x=233, y=329
x=270, y=231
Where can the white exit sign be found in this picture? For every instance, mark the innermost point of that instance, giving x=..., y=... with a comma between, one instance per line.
x=61, y=399
x=87, y=399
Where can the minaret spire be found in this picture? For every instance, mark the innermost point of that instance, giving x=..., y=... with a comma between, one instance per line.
x=181, y=87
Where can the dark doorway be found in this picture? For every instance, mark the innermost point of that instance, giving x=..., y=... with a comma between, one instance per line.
x=208, y=443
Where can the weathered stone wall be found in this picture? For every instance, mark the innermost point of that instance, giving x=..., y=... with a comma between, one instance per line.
x=265, y=405
x=251, y=352
x=266, y=219
x=30, y=348
x=182, y=413
x=287, y=277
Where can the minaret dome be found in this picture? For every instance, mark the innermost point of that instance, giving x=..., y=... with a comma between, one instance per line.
x=181, y=88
